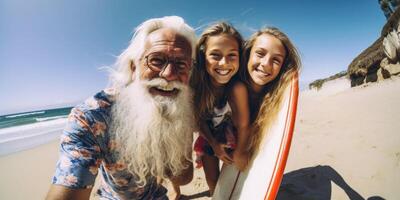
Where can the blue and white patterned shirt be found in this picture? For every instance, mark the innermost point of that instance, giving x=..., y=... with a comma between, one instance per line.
x=87, y=148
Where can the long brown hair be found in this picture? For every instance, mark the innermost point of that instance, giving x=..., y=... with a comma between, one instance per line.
x=200, y=81
x=273, y=91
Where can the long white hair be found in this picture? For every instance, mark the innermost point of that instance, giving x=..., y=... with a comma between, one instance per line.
x=153, y=134
x=121, y=75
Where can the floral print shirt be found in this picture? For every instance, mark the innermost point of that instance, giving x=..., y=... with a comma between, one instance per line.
x=87, y=148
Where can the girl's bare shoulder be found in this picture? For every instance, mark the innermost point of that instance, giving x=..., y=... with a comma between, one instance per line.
x=239, y=89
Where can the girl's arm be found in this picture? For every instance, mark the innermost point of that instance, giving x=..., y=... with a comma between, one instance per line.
x=241, y=120
x=218, y=148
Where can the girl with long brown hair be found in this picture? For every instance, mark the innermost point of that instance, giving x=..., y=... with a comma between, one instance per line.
x=221, y=101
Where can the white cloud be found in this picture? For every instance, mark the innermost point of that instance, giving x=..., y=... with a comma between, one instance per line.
x=245, y=12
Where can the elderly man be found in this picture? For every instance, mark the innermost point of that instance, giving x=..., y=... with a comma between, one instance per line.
x=140, y=130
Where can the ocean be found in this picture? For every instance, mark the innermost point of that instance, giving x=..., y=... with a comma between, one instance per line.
x=32, y=117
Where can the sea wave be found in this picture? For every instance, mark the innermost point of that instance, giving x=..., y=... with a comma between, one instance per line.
x=28, y=139
x=41, y=119
x=38, y=125
x=25, y=114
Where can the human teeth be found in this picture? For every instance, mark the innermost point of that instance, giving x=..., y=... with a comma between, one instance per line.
x=166, y=88
x=222, y=72
x=258, y=69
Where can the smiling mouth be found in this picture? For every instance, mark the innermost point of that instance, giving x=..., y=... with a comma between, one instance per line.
x=261, y=71
x=223, y=72
x=164, y=91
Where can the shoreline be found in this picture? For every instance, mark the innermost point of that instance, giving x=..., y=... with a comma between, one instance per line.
x=25, y=137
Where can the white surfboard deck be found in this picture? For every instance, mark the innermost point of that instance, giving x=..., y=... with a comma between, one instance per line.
x=262, y=179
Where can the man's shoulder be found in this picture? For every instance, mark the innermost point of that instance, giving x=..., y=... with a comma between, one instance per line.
x=91, y=116
x=101, y=101
x=97, y=106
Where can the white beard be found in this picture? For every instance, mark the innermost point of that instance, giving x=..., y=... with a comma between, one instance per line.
x=154, y=135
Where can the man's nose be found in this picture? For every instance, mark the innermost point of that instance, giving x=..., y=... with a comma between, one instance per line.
x=169, y=72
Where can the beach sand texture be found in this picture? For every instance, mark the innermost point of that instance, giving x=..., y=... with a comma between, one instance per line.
x=354, y=131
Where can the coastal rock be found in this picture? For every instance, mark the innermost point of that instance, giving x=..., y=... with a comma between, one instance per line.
x=372, y=75
x=357, y=80
x=392, y=68
x=382, y=59
x=391, y=44
x=383, y=74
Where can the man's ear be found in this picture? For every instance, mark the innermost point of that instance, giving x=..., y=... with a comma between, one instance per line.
x=133, y=69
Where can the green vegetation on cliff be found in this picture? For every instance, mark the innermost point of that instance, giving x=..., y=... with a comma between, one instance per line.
x=319, y=82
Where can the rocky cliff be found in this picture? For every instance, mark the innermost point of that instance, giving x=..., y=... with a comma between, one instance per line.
x=382, y=59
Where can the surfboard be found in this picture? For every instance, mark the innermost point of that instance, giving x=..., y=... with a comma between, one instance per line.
x=263, y=177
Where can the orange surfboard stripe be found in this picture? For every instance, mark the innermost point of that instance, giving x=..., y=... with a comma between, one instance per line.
x=280, y=163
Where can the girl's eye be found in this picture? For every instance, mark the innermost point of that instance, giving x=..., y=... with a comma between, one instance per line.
x=277, y=61
x=259, y=54
x=232, y=56
x=215, y=56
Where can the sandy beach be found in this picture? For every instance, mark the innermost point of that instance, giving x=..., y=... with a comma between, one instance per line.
x=354, y=131
x=27, y=174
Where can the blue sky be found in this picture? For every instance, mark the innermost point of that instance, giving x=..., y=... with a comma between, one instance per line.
x=51, y=50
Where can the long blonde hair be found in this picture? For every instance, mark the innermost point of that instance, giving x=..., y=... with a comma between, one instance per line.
x=273, y=91
x=200, y=81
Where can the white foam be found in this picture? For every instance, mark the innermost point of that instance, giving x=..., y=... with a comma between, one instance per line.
x=21, y=128
x=41, y=119
x=24, y=137
x=29, y=141
x=25, y=114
